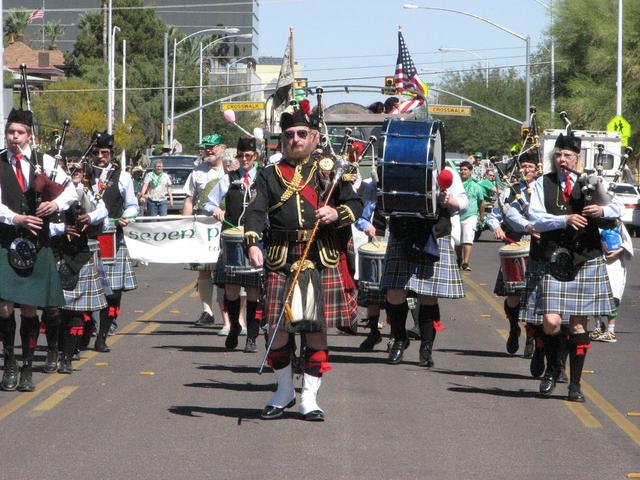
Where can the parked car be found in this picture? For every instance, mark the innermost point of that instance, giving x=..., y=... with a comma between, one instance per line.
x=178, y=167
x=630, y=196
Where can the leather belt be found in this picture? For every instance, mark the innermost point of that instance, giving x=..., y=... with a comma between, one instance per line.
x=291, y=235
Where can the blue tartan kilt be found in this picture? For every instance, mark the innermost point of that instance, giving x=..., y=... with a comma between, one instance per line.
x=88, y=295
x=120, y=275
x=406, y=268
x=505, y=290
x=368, y=297
x=588, y=294
x=222, y=277
x=528, y=299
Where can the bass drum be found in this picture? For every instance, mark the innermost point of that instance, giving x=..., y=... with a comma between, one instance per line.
x=413, y=155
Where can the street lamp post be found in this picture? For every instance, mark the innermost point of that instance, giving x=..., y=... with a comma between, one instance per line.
x=235, y=62
x=486, y=59
x=112, y=79
x=177, y=42
x=549, y=6
x=526, y=39
x=202, y=49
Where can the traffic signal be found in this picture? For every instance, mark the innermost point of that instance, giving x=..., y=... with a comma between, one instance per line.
x=389, y=86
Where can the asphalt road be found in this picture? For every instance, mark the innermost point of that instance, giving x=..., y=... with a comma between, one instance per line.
x=169, y=402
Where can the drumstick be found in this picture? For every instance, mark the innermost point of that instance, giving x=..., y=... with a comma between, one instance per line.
x=375, y=242
x=509, y=240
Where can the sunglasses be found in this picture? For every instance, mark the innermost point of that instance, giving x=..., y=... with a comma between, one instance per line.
x=289, y=134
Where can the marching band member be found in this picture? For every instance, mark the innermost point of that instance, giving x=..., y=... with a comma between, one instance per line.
x=28, y=274
x=575, y=283
x=372, y=300
x=116, y=188
x=420, y=258
x=289, y=195
x=82, y=287
x=511, y=228
x=197, y=188
x=235, y=190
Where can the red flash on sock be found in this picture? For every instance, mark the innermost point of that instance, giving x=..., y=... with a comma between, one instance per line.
x=76, y=331
x=581, y=350
x=86, y=317
x=33, y=342
x=111, y=312
x=437, y=326
x=43, y=327
x=320, y=357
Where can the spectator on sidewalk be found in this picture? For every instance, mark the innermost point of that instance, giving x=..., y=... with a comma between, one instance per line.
x=155, y=190
x=469, y=219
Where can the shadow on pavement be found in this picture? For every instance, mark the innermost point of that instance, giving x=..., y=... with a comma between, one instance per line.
x=236, y=387
x=239, y=413
x=355, y=359
x=472, y=373
x=232, y=368
x=504, y=393
x=477, y=353
x=196, y=348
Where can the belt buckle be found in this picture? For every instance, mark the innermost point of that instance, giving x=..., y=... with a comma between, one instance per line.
x=301, y=235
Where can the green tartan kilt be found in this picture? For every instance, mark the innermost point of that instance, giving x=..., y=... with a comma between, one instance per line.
x=41, y=288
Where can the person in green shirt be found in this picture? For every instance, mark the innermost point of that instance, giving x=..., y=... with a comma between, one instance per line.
x=469, y=219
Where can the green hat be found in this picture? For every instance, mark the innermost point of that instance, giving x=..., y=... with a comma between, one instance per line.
x=212, y=140
x=478, y=154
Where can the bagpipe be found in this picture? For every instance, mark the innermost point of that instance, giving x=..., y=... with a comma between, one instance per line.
x=45, y=186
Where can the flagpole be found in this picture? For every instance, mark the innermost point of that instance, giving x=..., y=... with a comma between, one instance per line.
x=293, y=71
x=43, y=24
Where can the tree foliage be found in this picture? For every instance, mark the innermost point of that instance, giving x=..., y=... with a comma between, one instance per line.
x=484, y=131
x=14, y=24
x=586, y=48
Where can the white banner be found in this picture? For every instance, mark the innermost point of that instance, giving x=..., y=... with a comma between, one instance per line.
x=174, y=239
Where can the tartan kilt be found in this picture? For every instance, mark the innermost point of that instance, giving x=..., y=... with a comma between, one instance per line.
x=368, y=297
x=502, y=290
x=588, y=294
x=529, y=297
x=88, y=295
x=222, y=277
x=408, y=269
x=120, y=275
x=337, y=306
x=41, y=288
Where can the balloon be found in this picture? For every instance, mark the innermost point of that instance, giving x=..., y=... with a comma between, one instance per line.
x=445, y=179
x=258, y=133
x=230, y=116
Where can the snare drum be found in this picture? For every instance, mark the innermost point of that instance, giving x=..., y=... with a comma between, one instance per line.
x=412, y=158
x=235, y=261
x=370, y=265
x=108, y=244
x=513, y=261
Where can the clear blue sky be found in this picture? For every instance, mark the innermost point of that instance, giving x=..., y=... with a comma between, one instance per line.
x=350, y=39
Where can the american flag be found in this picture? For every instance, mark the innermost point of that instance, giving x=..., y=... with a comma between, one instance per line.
x=406, y=77
x=36, y=15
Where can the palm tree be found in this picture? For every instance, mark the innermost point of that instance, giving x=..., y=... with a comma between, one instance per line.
x=52, y=32
x=14, y=25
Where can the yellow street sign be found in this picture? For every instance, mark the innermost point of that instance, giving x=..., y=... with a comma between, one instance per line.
x=619, y=124
x=458, y=110
x=239, y=106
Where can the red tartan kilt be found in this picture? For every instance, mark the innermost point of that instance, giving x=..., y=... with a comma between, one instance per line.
x=339, y=306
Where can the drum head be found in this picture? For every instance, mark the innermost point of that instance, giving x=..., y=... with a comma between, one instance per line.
x=234, y=232
x=413, y=155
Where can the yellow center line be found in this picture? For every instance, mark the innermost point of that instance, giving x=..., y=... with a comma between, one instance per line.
x=53, y=400
x=23, y=398
x=504, y=333
x=148, y=329
x=594, y=396
x=583, y=414
x=471, y=297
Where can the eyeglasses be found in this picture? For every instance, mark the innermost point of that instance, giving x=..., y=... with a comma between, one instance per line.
x=564, y=155
x=245, y=155
x=289, y=134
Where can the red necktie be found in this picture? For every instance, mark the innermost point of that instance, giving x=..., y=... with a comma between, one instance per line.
x=246, y=179
x=19, y=175
x=567, y=188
